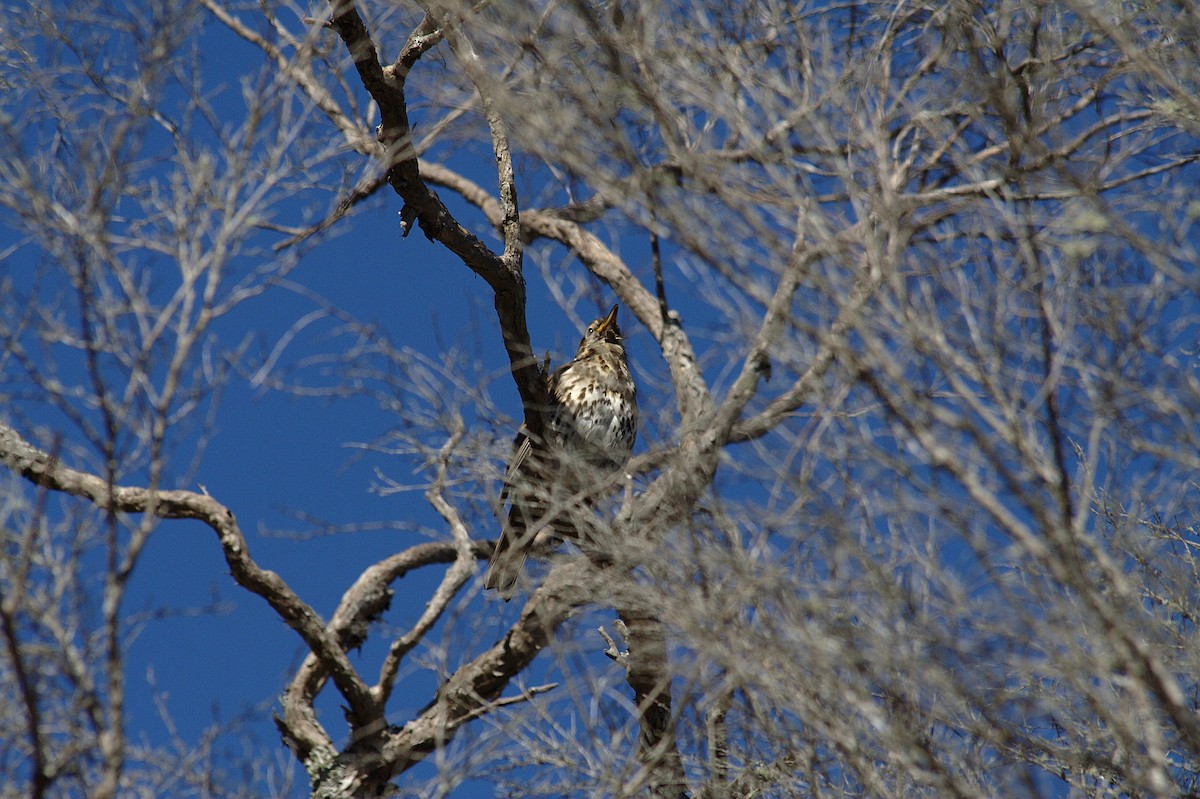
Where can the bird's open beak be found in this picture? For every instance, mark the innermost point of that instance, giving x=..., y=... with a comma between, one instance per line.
x=607, y=322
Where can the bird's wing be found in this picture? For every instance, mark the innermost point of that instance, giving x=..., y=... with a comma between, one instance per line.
x=522, y=445
x=512, y=548
x=521, y=449
x=504, y=567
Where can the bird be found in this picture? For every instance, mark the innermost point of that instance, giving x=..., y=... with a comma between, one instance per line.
x=590, y=429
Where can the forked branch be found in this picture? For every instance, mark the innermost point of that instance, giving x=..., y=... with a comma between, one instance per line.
x=422, y=205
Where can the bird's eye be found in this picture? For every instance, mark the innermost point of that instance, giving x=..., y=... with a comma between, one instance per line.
x=591, y=329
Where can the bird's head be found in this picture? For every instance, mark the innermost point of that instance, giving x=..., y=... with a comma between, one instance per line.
x=603, y=330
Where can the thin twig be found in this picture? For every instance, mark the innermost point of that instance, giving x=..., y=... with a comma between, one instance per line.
x=455, y=578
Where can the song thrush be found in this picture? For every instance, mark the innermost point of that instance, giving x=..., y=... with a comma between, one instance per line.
x=590, y=429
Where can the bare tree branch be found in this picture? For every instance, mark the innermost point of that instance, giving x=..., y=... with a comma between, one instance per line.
x=44, y=470
x=473, y=688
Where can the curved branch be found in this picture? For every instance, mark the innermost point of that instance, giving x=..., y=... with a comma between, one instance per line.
x=510, y=223
x=47, y=471
x=477, y=684
x=757, y=364
x=466, y=553
x=362, y=603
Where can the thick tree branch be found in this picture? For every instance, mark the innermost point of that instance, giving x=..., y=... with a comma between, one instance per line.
x=649, y=676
